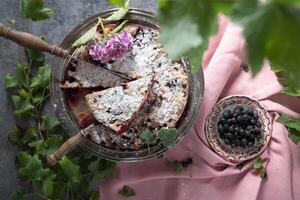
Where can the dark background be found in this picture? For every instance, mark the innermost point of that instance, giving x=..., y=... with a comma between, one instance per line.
x=68, y=13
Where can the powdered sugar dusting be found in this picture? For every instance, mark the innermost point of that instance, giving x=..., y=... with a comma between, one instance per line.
x=115, y=106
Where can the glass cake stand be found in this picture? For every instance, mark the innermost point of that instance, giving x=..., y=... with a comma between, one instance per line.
x=68, y=121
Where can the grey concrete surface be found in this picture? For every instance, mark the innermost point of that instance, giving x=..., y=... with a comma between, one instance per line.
x=68, y=13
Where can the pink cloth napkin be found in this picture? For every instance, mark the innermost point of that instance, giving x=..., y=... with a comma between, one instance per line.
x=211, y=177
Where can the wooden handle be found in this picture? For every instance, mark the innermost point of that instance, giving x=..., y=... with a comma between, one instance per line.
x=31, y=41
x=66, y=147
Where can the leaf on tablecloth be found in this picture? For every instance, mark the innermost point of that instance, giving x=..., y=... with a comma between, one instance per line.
x=259, y=163
x=127, y=191
x=258, y=166
x=175, y=165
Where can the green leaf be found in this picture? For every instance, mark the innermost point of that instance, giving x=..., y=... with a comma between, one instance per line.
x=49, y=123
x=30, y=133
x=148, y=136
x=94, y=196
x=23, y=94
x=127, y=191
x=35, y=55
x=258, y=166
x=35, y=10
x=16, y=100
x=24, y=110
x=256, y=21
x=291, y=91
x=293, y=126
x=284, y=53
x=39, y=96
x=41, y=80
x=168, y=136
x=259, y=163
x=59, y=188
x=71, y=170
x=80, y=186
x=40, y=147
x=22, y=105
x=294, y=135
x=48, y=147
x=11, y=21
x=175, y=165
x=89, y=35
x=31, y=168
x=291, y=123
x=101, y=169
x=263, y=173
x=53, y=143
x=23, y=158
x=10, y=81
x=186, y=27
x=21, y=71
x=24, y=8
x=178, y=44
x=48, y=185
x=119, y=3
x=163, y=3
x=119, y=14
x=120, y=27
x=14, y=135
x=18, y=194
x=271, y=30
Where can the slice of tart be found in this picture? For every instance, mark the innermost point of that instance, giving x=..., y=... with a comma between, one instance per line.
x=116, y=107
x=87, y=75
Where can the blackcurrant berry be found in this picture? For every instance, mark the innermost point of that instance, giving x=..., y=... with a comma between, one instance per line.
x=222, y=120
x=227, y=113
x=253, y=121
x=255, y=115
x=244, y=141
x=220, y=128
x=249, y=128
x=236, y=129
x=225, y=127
x=247, y=133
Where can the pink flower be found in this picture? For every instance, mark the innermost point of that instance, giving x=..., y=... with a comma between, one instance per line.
x=115, y=47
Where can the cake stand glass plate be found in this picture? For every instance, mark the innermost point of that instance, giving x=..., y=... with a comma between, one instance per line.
x=68, y=121
x=237, y=155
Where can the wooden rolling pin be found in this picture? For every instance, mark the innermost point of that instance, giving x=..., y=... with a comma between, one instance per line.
x=31, y=41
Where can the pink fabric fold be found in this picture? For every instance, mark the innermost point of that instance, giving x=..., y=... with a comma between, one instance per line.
x=211, y=177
